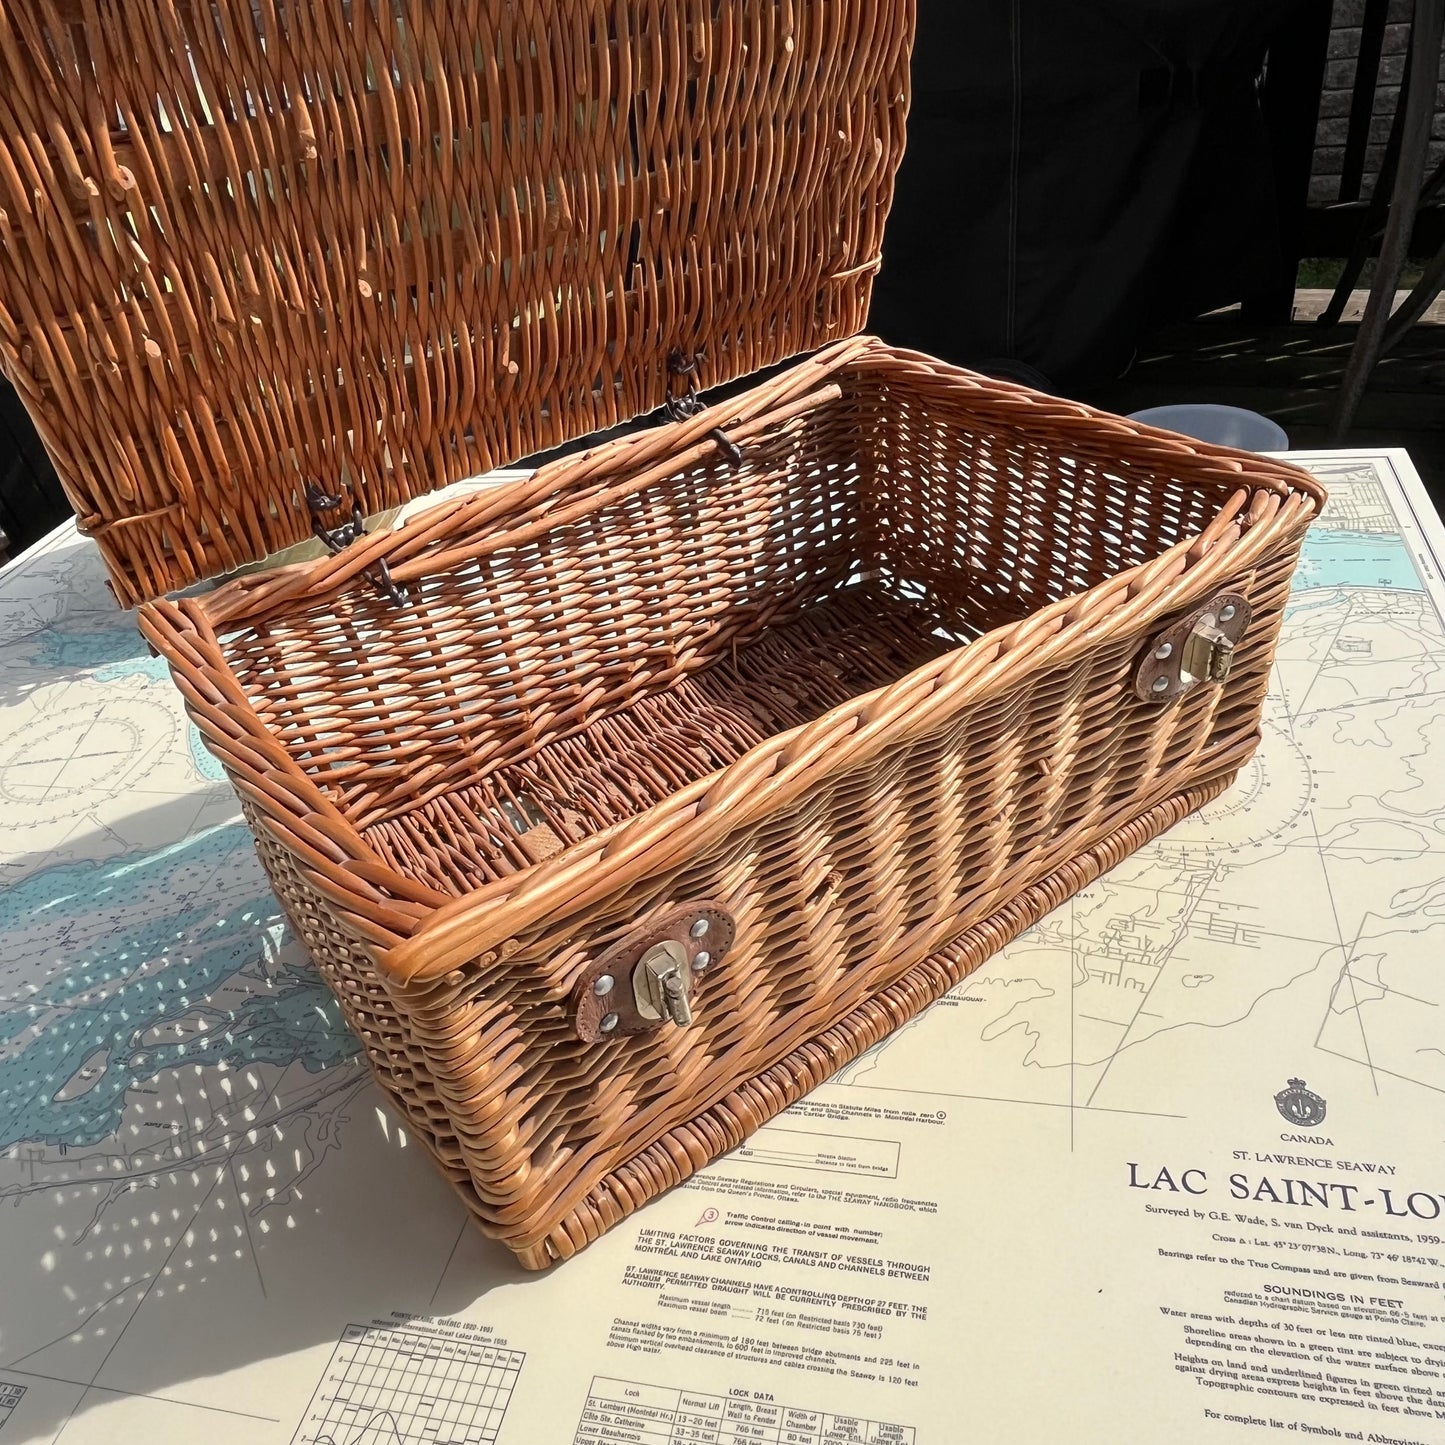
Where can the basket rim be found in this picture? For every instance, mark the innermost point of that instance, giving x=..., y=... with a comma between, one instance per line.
x=409, y=550
x=415, y=933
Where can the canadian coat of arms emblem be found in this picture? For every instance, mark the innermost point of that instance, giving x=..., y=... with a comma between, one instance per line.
x=1300, y=1105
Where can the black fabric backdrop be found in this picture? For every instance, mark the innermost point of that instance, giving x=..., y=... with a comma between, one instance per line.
x=1078, y=172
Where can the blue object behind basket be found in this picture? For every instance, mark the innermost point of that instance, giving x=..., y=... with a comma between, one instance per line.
x=1226, y=426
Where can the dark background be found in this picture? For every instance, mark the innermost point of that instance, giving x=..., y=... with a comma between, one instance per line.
x=1079, y=173
x=1083, y=177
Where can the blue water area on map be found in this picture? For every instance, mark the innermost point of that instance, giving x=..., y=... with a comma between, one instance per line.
x=1335, y=559
x=118, y=948
x=85, y=650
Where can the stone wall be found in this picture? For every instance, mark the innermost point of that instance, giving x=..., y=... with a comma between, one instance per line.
x=1335, y=102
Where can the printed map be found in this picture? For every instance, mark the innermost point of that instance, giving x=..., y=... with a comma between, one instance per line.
x=183, y=1117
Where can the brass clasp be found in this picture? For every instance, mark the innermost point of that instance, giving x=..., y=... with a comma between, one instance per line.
x=660, y=984
x=1198, y=649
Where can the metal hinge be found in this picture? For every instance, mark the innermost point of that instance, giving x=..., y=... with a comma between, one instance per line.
x=687, y=405
x=338, y=539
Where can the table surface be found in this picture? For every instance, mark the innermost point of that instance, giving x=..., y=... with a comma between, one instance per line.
x=211, y=1228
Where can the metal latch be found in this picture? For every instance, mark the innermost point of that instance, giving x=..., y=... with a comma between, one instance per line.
x=1199, y=648
x=656, y=975
x=659, y=984
x=1208, y=653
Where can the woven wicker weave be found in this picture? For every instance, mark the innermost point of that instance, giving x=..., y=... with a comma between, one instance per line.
x=231, y=261
x=848, y=665
x=688, y=679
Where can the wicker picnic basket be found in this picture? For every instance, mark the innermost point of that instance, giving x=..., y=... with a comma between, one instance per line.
x=619, y=806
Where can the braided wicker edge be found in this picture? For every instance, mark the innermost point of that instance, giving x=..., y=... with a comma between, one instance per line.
x=689, y=1147
x=417, y=933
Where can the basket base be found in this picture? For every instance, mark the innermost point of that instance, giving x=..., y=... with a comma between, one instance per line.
x=685, y=1149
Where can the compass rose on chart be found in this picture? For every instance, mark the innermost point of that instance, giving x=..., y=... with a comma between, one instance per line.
x=1268, y=802
x=65, y=760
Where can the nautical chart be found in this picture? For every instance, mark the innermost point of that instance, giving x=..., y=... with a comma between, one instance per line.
x=201, y=1191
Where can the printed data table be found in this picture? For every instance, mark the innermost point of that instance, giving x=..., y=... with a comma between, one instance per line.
x=630, y=1411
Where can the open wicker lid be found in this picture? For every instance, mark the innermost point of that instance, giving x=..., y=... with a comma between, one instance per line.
x=385, y=244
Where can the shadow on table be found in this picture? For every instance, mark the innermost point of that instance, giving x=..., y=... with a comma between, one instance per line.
x=173, y=1075
x=39, y=651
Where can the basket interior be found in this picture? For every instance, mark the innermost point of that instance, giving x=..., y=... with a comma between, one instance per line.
x=547, y=690
x=850, y=641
